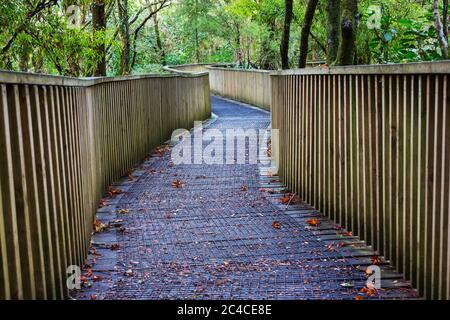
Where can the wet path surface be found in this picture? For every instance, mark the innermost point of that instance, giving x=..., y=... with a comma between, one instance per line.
x=198, y=231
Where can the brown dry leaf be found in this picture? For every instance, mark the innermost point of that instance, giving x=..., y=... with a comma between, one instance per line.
x=285, y=200
x=89, y=273
x=244, y=188
x=177, y=184
x=124, y=211
x=276, y=225
x=358, y=297
x=99, y=226
x=130, y=176
x=114, y=246
x=313, y=222
x=114, y=191
x=129, y=273
x=375, y=259
x=93, y=297
x=97, y=278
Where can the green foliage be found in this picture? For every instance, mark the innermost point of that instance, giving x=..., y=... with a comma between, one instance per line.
x=407, y=34
x=247, y=32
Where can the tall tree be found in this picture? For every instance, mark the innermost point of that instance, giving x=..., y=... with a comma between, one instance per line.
x=284, y=48
x=306, y=30
x=124, y=31
x=440, y=31
x=333, y=10
x=99, y=27
x=349, y=25
x=159, y=44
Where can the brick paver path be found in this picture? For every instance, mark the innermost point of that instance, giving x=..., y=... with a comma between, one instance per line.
x=223, y=235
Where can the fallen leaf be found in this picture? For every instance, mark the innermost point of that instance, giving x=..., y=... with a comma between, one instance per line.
x=276, y=225
x=177, y=184
x=99, y=226
x=375, y=259
x=97, y=278
x=129, y=273
x=358, y=297
x=313, y=222
x=124, y=211
x=244, y=188
x=369, y=291
x=93, y=297
x=114, y=191
x=114, y=246
x=285, y=200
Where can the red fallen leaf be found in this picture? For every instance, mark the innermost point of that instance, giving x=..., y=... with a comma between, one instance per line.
x=375, y=260
x=94, y=252
x=114, y=192
x=358, y=297
x=93, y=297
x=285, y=200
x=89, y=273
x=97, y=278
x=168, y=215
x=276, y=225
x=244, y=188
x=114, y=246
x=177, y=184
x=83, y=279
x=369, y=291
x=313, y=222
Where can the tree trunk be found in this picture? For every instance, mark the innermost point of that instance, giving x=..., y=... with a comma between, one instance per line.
x=333, y=13
x=284, y=48
x=306, y=29
x=124, y=31
x=347, y=47
x=162, y=52
x=99, y=26
x=440, y=30
x=445, y=18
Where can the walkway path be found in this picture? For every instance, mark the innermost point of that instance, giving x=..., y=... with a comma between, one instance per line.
x=223, y=235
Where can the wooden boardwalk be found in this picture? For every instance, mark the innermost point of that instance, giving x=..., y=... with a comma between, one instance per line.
x=223, y=232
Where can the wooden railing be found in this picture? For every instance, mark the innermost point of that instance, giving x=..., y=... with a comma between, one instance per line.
x=62, y=142
x=188, y=68
x=370, y=148
x=249, y=86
